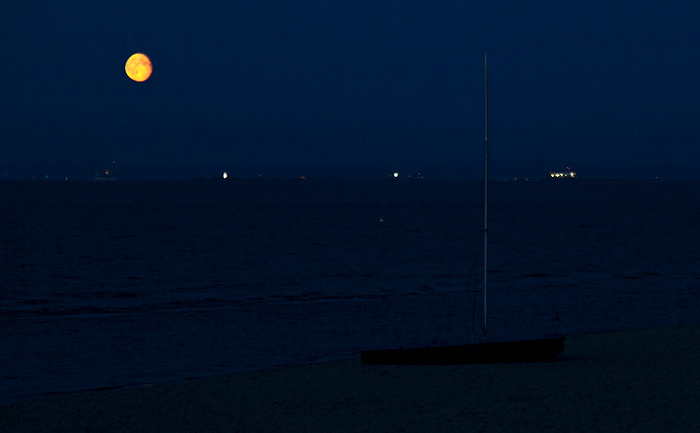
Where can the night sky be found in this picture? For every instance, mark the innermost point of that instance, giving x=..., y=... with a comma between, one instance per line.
x=358, y=84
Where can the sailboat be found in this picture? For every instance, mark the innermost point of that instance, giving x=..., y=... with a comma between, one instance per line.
x=538, y=350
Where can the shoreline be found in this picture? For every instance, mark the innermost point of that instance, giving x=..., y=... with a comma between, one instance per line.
x=639, y=380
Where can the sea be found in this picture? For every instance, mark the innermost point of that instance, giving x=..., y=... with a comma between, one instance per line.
x=119, y=284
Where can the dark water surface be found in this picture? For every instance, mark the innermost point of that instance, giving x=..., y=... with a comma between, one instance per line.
x=124, y=283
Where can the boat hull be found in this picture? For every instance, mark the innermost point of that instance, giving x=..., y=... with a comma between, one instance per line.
x=540, y=350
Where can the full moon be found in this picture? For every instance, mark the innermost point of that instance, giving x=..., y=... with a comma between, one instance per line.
x=138, y=67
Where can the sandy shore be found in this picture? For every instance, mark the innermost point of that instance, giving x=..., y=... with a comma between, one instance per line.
x=636, y=381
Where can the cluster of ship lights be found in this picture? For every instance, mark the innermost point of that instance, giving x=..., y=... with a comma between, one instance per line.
x=562, y=174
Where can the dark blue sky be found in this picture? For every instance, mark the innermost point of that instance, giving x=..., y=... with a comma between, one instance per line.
x=387, y=84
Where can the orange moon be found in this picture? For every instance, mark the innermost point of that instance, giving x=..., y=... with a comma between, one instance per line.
x=138, y=67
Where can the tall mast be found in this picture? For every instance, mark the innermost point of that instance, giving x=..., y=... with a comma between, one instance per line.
x=486, y=190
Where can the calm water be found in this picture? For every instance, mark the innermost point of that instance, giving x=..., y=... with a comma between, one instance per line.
x=125, y=283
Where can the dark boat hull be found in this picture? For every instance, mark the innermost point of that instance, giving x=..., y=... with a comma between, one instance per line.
x=541, y=350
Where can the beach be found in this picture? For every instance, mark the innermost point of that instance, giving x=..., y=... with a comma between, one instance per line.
x=640, y=380
x=244, y=306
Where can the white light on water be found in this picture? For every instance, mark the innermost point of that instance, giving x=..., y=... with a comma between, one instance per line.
x=396, y=174
x=225, y=175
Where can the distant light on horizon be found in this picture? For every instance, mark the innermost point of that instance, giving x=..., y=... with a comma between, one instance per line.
x=396, y=174
x=225, y=175
x=559, y=175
